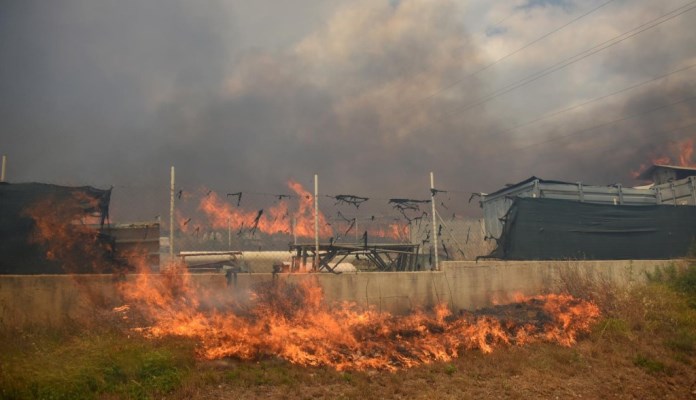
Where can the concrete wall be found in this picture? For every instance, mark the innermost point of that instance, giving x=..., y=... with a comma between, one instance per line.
x=52, y=300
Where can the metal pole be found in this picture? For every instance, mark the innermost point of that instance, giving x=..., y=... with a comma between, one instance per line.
x=4, y=165
x=432, y=202
x=171, y=217
x=316, y=222
x=294, y=230
x=229, y=234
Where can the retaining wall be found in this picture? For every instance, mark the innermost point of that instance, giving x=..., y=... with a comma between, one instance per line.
x=52, y=300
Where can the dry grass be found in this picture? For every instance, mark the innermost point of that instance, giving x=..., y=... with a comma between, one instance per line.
x=644, y=347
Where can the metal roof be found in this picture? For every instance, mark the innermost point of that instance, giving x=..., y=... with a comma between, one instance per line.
x=647, y=174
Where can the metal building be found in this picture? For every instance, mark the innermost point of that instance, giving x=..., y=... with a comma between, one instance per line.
x=607, y=228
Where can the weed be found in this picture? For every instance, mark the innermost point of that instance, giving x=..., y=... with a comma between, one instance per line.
x=649, y=364
x=91, y=365
x=347, y=377
x=450, y=369
x=684, y=341
x=613, y=329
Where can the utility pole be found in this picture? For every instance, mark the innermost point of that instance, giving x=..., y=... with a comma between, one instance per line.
x=316, y=222
x=171, y=217
x=4, y=165
x=294, y=230
x=432, y=202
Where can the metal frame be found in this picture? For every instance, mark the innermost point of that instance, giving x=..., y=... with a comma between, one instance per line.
x=384, y=257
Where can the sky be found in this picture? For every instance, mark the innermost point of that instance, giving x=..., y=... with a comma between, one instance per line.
x=370, y=95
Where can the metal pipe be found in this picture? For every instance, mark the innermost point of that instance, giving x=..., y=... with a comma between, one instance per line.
x=4, y=165
x=432, y=202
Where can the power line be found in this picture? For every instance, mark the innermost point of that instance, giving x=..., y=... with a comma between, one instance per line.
x=538, y=39
x=595, y=127
x=626, y=89
x=579, y=56
x=653, y=134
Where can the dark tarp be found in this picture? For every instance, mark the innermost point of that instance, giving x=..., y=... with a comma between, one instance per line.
x=550, y=229
x=18, y=253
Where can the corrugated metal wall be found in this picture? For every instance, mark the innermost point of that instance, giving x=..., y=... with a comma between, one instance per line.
x=496, y=206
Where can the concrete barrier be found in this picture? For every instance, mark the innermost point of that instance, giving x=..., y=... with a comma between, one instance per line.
x=53, y=300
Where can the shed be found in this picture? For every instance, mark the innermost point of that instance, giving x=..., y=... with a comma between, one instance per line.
x=661, y=174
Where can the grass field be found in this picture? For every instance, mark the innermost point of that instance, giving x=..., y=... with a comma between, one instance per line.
x=643, y=347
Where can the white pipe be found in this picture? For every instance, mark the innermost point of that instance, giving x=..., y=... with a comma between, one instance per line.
x=432, y=202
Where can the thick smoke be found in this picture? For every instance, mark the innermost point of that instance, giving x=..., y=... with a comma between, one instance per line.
x=109, y=93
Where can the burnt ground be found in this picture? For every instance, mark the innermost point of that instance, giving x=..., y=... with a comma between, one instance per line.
x=641, y=351
x=590, y=370
x=642, y=347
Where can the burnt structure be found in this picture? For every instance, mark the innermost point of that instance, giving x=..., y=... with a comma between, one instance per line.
x=80, y=238
x=20, y=251
x=539, y=219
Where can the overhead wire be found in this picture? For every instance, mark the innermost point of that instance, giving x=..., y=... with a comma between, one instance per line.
x=595, y=127
x=578, y=57
x=653, y=134
x=594, y=100
x=516, y=51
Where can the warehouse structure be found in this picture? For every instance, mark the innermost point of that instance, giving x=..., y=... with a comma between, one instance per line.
x=542, y=219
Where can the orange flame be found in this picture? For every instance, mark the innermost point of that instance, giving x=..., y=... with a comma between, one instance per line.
x=62, y=229
x=292, y=321
x=276, y=219
x=684, y=151
x=279, y=219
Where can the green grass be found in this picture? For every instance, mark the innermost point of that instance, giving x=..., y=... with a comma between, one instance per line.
x=647, y=332
x=649, y=364
x=69, y=366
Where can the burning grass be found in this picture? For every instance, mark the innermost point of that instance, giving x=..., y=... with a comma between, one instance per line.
x=642, y=347
x=292, y=322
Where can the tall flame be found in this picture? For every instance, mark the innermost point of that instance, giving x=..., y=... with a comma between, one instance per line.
x=63, y=231
x=684, y=157
x=686, y=153
x=281, y=218
x=276, y=219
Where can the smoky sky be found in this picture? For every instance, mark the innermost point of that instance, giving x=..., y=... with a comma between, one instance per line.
x=371, y=96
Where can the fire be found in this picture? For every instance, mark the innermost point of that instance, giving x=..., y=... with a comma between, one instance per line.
x=293, y=322
x=684, y=157
x=62, y=229
x=276, y=219
x=686, y=153
x=281, y=218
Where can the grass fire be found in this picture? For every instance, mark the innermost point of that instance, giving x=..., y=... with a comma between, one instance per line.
x=292, y=322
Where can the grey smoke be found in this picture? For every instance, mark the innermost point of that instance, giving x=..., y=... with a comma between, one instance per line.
x=102, y=93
